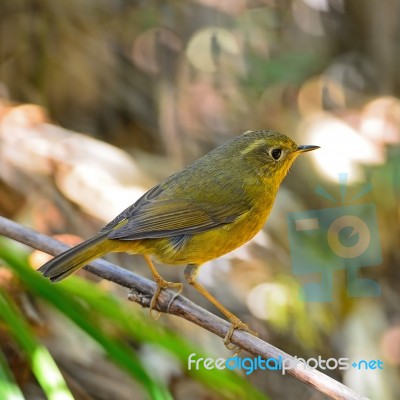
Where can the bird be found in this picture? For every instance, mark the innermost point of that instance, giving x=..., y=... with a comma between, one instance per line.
x=200, y=213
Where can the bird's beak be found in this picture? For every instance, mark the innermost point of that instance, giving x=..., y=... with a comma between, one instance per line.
x=305, y=148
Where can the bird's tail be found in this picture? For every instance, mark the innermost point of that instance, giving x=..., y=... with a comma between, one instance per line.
x=77, y=257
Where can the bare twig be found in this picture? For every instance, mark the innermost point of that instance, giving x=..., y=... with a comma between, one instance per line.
x=141, y=290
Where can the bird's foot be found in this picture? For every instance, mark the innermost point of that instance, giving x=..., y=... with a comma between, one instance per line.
x=236, y=323
x=163, y=284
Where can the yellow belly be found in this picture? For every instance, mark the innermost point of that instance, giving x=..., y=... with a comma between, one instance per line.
x=201, y=247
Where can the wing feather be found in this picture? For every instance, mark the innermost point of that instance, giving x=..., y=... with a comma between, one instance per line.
x=154, y=217
x=172, y=217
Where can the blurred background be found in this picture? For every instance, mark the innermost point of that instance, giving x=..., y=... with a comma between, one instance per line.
x=100, y=100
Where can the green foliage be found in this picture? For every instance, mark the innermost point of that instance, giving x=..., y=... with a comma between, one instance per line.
x=9, y=390
x=40, y=360
x=111, y=322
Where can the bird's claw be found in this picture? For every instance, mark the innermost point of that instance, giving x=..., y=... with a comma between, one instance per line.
x=163, y=284
x=236, y=324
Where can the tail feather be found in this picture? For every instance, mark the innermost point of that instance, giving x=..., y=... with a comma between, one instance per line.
x=77, y=257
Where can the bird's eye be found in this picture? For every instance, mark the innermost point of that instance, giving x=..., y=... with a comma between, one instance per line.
x=276, y=154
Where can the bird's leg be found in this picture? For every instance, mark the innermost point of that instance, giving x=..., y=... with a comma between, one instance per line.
x=191, y=272
x=161, y=284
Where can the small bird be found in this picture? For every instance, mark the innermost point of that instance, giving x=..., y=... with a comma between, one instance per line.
x=196, y=215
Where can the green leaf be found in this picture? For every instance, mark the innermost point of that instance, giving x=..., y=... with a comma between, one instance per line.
x=9, y=390
x=41, y=362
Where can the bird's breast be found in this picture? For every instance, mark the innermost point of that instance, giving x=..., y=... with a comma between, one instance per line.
x=202, y=247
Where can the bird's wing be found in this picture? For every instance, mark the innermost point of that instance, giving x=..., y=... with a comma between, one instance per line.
x=154, y=217
x=171, y=218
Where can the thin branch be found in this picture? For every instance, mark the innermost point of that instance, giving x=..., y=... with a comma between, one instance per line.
x=142, y=289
